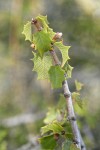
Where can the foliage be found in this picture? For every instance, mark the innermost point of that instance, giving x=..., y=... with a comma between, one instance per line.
x=57, y=127
x=19, y=90
x=44, y=43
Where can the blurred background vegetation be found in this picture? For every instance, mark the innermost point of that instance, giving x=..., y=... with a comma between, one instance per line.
x=24, y=100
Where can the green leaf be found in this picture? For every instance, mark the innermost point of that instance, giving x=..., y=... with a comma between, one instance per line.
x=48, y=142
x=78, y=85
x=43, y=20
x=56, y=76
x=51, y=115
x=68, y=69
x=55, y=127
x=42, y=42
x=51, y=33
x=68, y=145
x=64, y=51
x=41, y=66
x=73, y=147
x=76, y=97
x=61, y=102
x=27, y=31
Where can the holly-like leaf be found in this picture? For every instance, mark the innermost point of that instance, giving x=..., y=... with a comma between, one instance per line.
x=56, y=76
x=78, y=85
x=27, y=31
x=64, y=51
x=48, y=142
x=76, y=97
x=41, y=66
x=68, y=69
x=43, y=20
x=55, y=127
x=42, y=42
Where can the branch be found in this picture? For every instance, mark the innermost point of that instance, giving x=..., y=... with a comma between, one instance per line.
x=72, y=118
x=71, y=114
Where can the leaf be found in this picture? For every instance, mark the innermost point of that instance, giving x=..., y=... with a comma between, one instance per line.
x=42, y=42
x=68, y=145
x=50, y=116
x=48, y=142
x=77, y=98
x=68, y=69
x=55, y=127
x=56, y=76
x=73, y=147
x=78, y=85
x=41, y=66
x=64, y=51
x=27, y=31
x=43, y=20
x=51, y=33
x=61, y=102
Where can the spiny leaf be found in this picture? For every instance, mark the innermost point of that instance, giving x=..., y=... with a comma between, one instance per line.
x=56, y=76
x=41, y=66
x=43, y=20
x=42, y=42
x=77, y=98
x=64, y=51
x=78, y=85
x=48, y=142
x=27, y=31
x=68, y=69
x=55, y=127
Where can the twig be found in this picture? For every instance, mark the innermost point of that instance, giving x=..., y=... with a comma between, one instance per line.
x=71, y=114
x=72, y=118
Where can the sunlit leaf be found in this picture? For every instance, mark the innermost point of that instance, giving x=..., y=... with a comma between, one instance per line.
x=48, y=142
x=55, y=127
x=51, y=115
x=64, y=51
x=41, y=66
x=43, y=20
x=27, y=31
x=78, y=85
x=56, y=76
x=42, y=42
